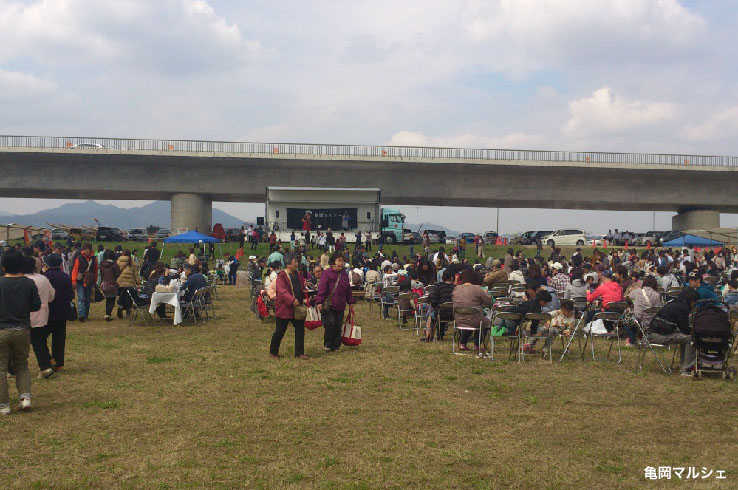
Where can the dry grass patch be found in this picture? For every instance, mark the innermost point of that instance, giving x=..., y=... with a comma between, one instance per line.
x=204, y=407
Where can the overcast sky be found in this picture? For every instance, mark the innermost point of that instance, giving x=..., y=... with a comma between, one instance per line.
x=609, y=75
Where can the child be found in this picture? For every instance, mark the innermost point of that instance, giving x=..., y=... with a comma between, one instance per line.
x=562, y=323
x=18, y=298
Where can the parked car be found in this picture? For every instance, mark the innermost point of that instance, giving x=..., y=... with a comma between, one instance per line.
x=568, y=237
x=432, y=236
x=669, y=236
x=138, y=234
x=411, y=234
x=107, y=234
x=490, y=237
x=451, y=240
x=529, y=237
x=469, y=237
x=599, y=240
x=233, y=234
x=162, y=233
x=651, y=238
x=59, y=234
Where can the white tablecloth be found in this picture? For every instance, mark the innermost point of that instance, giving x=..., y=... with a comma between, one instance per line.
x=169, y=299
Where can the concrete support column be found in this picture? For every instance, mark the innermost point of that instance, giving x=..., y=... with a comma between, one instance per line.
x=192, y=211
x=695, y=219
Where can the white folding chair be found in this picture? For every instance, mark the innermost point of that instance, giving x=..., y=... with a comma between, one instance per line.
x=465, y=312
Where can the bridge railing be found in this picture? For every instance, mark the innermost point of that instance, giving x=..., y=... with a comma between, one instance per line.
x=358, y=151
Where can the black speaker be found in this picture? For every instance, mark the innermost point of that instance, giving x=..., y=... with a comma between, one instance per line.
x=260, y=221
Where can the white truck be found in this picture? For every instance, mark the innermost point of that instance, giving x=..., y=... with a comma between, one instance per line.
x=342, y=210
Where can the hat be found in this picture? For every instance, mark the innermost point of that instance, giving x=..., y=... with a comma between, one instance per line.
x=53, y=260
x=395, y=266
x=558, y=266
x=252, y=257
x=694, y=275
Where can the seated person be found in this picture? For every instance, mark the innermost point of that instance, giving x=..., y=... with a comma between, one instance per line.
x=158, y=276
x=441, y=293
x=562, y=323
x=671, y=326
x=705, y=291
x=496, y=276
x=535, y=305
x=608, y=290
x=470, y=294
x=643, y=298
x=195, y=280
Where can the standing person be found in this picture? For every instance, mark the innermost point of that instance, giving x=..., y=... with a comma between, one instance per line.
x=331, y=241
x=345, y=221
x=254, y=239
x=241, y=237
x=334, y=293
x=368, y=235
x=40, y=318
x=18, y=298
x=59, y=311
x=128, y=282
x=109, y=272
x=307, y=226
x=84, y=277
x=290, y=293
x=357, y=244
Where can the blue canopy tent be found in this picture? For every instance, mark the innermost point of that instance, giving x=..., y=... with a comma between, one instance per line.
x=191, y=237
x=195, y=238
x=693, y=241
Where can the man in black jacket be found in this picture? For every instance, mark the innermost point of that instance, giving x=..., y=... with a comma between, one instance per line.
x=671, y=326
x=441, y=293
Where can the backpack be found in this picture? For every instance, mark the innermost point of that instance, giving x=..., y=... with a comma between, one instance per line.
x=711, y=321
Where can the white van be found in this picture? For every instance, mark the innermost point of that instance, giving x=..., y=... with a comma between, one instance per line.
x=564, y=238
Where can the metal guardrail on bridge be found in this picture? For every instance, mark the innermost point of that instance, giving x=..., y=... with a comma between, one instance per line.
x=358, y=151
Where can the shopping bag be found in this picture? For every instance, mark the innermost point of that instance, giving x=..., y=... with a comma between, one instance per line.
x=313, y=319
x=351, y=334
x=597, y=327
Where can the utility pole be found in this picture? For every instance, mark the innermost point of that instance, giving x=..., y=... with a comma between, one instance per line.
x=497, y=230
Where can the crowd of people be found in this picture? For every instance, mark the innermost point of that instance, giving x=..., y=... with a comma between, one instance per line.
x=551, y=285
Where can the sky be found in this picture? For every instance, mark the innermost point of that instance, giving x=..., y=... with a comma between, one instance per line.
x=656, y=76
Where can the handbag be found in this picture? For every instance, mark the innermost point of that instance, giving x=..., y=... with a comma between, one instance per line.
x=351, y=334
x=99, y=296
x=72, y=315
x=299, y=311
x=109, y=287
x=313, y=318
x=328, y=303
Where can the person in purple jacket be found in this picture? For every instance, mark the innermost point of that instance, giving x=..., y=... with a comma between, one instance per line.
x=59, y=312
x=334, y=283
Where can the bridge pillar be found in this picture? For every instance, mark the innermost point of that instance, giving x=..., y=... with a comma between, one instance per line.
x=695, y=219
x=192, y=211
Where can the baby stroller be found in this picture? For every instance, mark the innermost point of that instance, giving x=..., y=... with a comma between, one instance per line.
x=712, y=338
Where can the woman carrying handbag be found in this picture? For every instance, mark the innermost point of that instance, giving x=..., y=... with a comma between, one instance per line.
x=334, y=293
x=289, y=306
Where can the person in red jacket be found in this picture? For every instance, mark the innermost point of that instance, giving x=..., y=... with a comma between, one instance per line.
x=290, y=293
x=610, y=292
x=84, y=277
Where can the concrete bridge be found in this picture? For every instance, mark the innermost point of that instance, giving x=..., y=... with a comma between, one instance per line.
x=193, y=174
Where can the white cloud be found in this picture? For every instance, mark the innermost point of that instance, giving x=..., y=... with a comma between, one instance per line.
x=722, y=125
x=172, y=36
x=603, y=114
x=17, y=84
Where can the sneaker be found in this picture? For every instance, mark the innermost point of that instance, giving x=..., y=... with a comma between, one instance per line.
x=108, y=318
x=25, y=404
x=5, y=410
x=687, y=373
x=326, y=348
x=46, y=373
x=82, y=319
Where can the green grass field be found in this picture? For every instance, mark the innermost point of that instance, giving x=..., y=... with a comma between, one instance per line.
x=205, y=407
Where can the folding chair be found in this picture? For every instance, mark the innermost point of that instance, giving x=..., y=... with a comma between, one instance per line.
x=422, y=312
x=371, y=294
x=410, y=297
x=527, y=334
x=513, y=340
x=139, y=309
x=606, y=316
x=733, y=317
x=672, y=293
x=213, y=281
x=193, y=307
x=711, y=281
x=208, y=298
x=656, y=349
x=465, y=312
x=393, y=293
x=445, y=310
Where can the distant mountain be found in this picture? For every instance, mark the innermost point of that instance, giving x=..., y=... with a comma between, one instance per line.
x=156, y=213
x=431, y=226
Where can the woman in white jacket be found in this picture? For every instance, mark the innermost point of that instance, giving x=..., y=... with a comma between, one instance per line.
x=40, y=318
